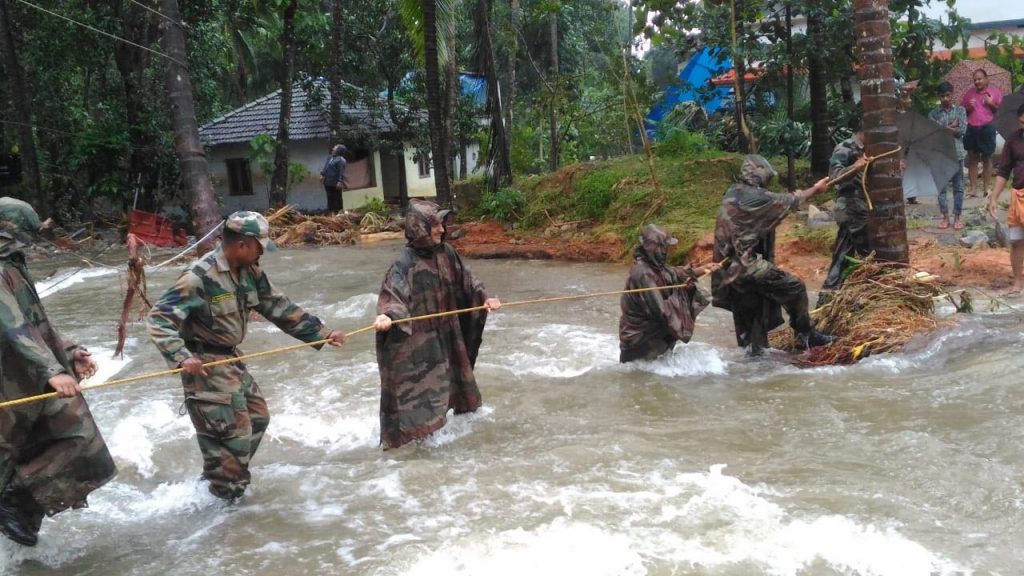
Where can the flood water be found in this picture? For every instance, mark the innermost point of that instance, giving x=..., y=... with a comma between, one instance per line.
x=703, y=462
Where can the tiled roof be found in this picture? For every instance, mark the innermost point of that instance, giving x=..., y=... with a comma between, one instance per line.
x=309, y=119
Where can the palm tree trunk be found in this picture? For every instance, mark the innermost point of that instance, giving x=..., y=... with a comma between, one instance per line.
x=553, y=156
x=433, y=82
x=21, y=98
x=790, y=98
x=821, y=142
x=887, y=225
x=499, y=167
x=513, y=54
x=334, y=73
x=132, y=62
x=279, y=180
x=195, y=172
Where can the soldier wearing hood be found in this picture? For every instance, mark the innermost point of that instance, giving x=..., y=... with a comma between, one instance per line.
x=851, y=211
x=426, y=366
x=652, y=322
x=750, y=285
x=51, y=452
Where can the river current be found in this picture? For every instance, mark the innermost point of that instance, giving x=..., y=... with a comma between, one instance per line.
x=703, y=462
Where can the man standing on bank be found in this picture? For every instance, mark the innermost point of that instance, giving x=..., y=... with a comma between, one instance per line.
x=51, y=452
x=1012, y=163
x=333, y=178
x=203, y=318
x=981, y=103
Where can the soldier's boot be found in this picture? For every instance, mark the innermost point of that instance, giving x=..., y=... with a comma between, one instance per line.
x=812, y=339
x=13, y=521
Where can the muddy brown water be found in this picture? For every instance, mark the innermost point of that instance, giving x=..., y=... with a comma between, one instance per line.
x=703, y=462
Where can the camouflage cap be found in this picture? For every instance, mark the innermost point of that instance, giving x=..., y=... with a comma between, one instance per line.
x=18, y=220
x=251, y=224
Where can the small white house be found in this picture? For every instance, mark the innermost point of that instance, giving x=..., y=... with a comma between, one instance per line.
x=392, y=176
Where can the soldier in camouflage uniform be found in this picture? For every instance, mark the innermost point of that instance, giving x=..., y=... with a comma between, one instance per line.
x=851, y=211
x=426, y=366
x=749, y=284
x=652, y=322
x=51, y=452
x=203, y=318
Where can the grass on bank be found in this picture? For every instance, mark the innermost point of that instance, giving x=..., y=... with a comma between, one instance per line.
x=617, y=196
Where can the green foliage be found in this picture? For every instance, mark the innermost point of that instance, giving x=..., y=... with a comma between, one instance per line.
x=779, y=136
x=593, y=195
x=505, y=205
x=681, y=142
x=373, y=204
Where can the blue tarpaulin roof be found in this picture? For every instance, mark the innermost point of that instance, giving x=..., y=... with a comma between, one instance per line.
x=694, y=85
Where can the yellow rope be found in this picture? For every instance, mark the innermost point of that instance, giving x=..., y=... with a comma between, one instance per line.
x=171, y=372
x=864, y=173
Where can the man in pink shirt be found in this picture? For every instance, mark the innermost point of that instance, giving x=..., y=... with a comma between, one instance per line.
x=981, y=103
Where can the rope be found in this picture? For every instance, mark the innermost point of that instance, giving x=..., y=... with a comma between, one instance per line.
x=864, y=173
x=171, y=372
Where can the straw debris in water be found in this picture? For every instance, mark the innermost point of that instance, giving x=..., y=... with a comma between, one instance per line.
x=880, y=307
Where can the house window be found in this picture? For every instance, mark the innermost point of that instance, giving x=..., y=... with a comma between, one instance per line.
x=424, y=165
x=239, y=177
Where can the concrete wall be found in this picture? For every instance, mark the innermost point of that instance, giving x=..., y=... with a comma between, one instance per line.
x=308, y=194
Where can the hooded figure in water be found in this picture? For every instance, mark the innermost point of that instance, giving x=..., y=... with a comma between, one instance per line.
x=51, y=452
x=750, y=285
x=652, y=322
x=426, y=366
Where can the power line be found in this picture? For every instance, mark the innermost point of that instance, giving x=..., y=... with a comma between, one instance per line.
x=103, y=32
x=158, y=13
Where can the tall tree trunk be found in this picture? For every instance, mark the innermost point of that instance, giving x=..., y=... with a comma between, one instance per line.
x=510, y=92
x=747, y=141
x=279, y=180
x=21, y=98
x=334, y=71
x=821, y=141
x=452, y=90
x=556, y=149
x=498, y=165
x=433, y=82
x=195, y=172
x=140, y=27
x=887, y=224
x=790, y=97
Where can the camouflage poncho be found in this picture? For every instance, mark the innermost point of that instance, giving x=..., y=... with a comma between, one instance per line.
x=750, y=285
x=51, y=452
x=426, y=366
x=652, y=322
x=851, y=213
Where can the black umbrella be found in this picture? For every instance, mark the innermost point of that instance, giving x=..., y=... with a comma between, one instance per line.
x=930, y=152
x=1006, y=115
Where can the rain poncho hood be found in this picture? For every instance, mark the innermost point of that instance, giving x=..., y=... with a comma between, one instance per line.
x=19, y=225
x=756, y=171
x=654, y=245
x=421, y=216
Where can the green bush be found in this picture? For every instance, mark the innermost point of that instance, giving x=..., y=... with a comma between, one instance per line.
x=373, y=204
x=594, y=194
x=505, y=205
x=680, y=142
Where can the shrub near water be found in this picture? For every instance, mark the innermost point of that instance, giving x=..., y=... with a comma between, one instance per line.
x=505, y=205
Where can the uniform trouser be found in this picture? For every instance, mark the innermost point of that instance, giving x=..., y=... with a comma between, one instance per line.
x=230, y=415
x=751, y=293
x=334, y=199
x=851, y=238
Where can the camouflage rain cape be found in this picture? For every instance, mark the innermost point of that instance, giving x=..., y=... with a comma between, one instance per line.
x=750, y=285
x=652, y=322
x=851, y=213
x=426, y=366
x=51, y=452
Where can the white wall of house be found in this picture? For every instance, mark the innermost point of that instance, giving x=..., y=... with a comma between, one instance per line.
x=308, y=194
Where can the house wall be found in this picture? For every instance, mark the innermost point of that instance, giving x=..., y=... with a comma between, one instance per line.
x=308, y=194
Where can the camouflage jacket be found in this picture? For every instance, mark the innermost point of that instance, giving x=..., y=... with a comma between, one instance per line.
x=426, y=366
x=652, y=322
x=844, y=155
x=53, y=447
x=209, y=306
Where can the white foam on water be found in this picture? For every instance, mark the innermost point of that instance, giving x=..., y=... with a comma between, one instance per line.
x=458, y=426
x=106, y=367
x=358, y=306
x=332, y=431
x=694, y=359
x=63, y=279
x=135, y=437
x=123, y=503
x=558, y=548
x=565, y=351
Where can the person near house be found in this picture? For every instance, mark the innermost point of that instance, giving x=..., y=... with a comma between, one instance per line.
x=1011, y=163
x=851, y=211
x=981, y=103
x=953, y=118
x=749, y=284
x=426, y=366
x=332, y=176
x=652, y=322
x=203, y=318
x=51, y=452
